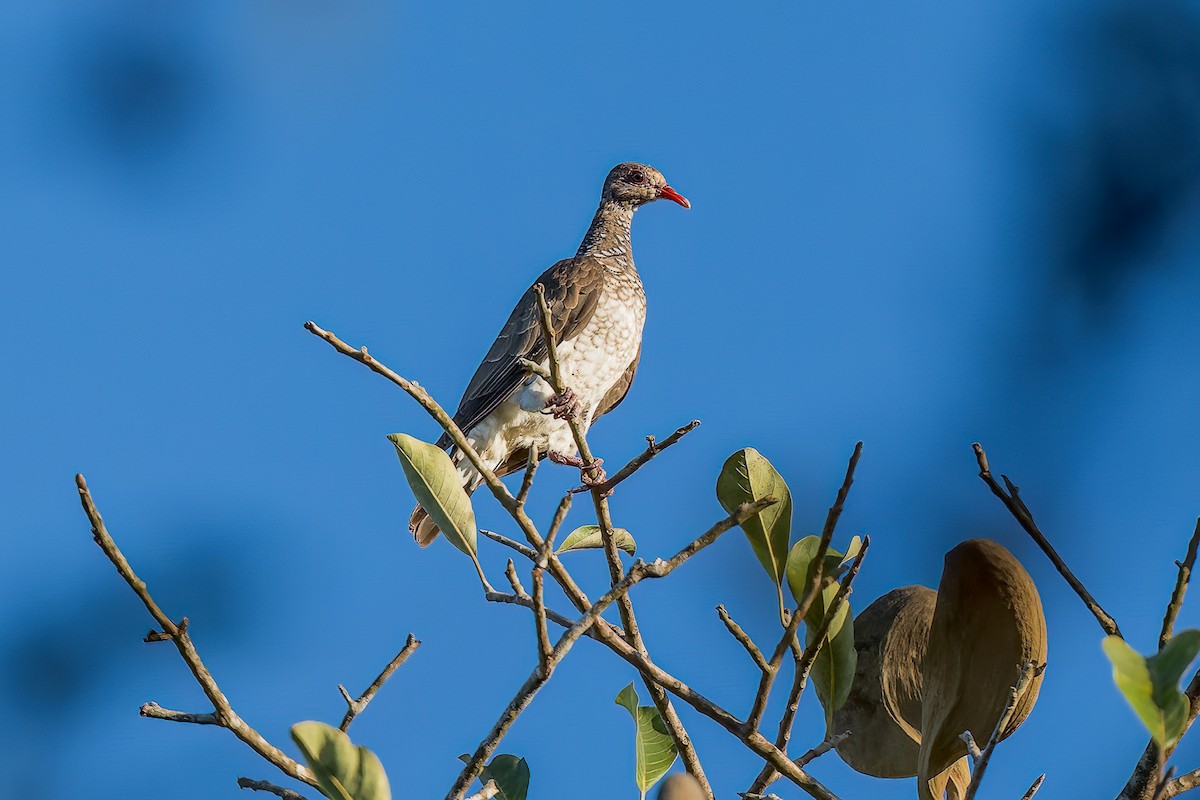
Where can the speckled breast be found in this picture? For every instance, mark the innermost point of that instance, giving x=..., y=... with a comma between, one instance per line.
x=609, y=342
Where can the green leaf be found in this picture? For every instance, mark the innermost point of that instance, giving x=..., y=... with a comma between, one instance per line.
x=653, y=744
x=833, y=670
x=1151, y=685
x=588, y=537
x=746, y=477
x=343, y=771
x=438, y=488
x=510, y=773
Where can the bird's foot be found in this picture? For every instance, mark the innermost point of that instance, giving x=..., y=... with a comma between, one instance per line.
x=592, y=475
x=563, y=406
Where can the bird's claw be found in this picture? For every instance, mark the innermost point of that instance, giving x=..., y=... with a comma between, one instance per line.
x=563, y=406
x=592, y=475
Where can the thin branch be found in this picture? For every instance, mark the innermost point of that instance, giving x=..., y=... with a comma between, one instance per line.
x=758, y=706
x=653, y=448
x=972, y=746
x=1161, y=788
x=1181, y=585
x=546, y=665
x=610, y=636
x=263, y=786
x=560, y=515
x=514, y=580
x=1016, y=506
x=223, y=711
x=1028, y=670
x=507, y=542
x=679, y=734
x=743, y=638
x=1183, y=783
x=539, y=617
x=1033, y=789
x=804, y=664
x=155, y=711
x=355, y=707
x=823, y=748
x=531, y=465
x=489, y=790
x=551, y=615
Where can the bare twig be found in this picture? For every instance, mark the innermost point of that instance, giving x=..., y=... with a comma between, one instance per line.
x=223, y=712
x=531, y=465
x=758, y=707
x=602, y=630
x=743, y=638
x=539, y=617
x=155, y=711
x=972, y=746
x=823, y=748
x=1183, y=783
x=1181, y=584
x=1028, y=670
x=507, y=542
x=489, y=790
x=1161, y=788
x=355, y=707
x=263, y=786
x=679, y=734
x=804, y=664
x=1016, y=506
x=1033, y=789
x=546, y=665
x=653, y=448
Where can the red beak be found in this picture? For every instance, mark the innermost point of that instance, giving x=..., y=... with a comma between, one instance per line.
x=671, y=194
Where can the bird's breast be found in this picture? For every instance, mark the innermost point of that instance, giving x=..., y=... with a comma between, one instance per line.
x=599, y=356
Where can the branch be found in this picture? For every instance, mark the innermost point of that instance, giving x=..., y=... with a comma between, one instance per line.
x=1033, y=789
x=155, y=711
x=1028, y=670
x=223, y=713
x=504, y=540
x=602, y=630
x=263, y=786
x=1183, y=783
x=653, y=448
x=823, y=748
x=1016, y=506
x=547, y=662
x=355, y=707
x=1181, y=584
x=531, y=465
x=758, y=708
x=743, y=638
x=489, y=790
x=679, y=735
x=804, y=665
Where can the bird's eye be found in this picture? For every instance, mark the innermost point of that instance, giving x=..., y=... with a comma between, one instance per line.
x=637, y=176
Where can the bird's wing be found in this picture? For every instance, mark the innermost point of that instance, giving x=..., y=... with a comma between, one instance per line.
x=617, y=393
x=573, y=287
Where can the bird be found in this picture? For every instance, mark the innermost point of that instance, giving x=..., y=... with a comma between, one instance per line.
x=597, y=305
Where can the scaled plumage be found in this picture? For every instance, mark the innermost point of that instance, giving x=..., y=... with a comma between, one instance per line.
x=597, y=310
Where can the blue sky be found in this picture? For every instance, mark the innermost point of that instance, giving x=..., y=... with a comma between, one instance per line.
x=875, y=251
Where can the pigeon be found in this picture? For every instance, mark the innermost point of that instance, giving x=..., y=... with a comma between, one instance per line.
x=597, y=310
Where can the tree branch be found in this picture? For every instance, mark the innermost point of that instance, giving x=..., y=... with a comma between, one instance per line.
x=653, y=448
x=1181, y=585
x=1016, y=506
x=263, y=786
x=1033, y=789
x=355, y=707
x=804, y=665
x=743, y=638
x=223, y=713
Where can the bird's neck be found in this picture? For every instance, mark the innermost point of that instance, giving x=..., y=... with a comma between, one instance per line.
x=608, y=236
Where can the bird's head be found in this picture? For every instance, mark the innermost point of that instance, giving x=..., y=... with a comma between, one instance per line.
x=638, y=184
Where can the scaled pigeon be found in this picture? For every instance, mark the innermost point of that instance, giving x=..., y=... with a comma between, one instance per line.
x=597, y=307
